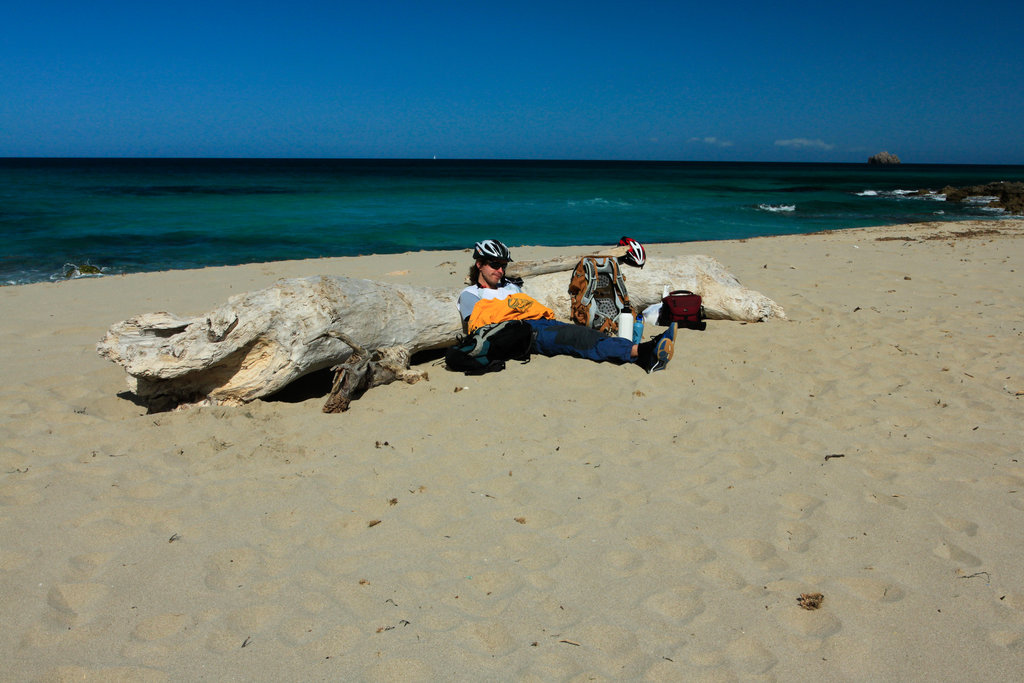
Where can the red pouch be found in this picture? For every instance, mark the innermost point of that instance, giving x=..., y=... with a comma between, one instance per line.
x=684, y=308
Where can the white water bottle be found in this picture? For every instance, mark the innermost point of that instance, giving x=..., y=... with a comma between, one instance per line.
x=626, y=324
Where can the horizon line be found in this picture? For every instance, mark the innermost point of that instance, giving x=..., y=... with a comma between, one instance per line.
x=481, y=159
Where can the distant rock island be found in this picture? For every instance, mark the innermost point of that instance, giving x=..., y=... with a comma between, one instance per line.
x=1006, y=195
x=884, y=159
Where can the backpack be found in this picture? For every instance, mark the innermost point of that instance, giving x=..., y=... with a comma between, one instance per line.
x=488, y=347
x=598, y=294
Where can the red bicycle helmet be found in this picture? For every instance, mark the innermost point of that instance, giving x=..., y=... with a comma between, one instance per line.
x=635, y=255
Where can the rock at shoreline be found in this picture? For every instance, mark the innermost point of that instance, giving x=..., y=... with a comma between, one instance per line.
x=884, y=159
x=1010, y=195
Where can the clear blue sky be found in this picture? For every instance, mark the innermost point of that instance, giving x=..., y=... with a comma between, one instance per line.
x=934, y=82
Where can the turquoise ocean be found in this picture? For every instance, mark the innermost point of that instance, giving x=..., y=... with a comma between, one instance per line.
x=136, y=215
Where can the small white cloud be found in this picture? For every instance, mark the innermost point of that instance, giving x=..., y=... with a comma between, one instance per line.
x=713, y=141
x=804, y=143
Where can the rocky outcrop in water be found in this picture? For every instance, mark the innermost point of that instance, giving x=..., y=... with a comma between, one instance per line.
x=884, y=159
x=1009, y=196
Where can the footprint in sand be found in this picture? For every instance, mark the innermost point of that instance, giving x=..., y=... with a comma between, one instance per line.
x=623, y=562
x=314, y=602
x=72, y=602
x=962, y=525
x=10, y=560
x=299, y=630
x=227, y=569
x=680, y=604
x=334, y=643
x=951, y=551
x=283, y=520
x=116, y=673
x=873, y=590
x=488, y=638
x=713, y=506
x=880, y=473
x=148, y=490
x=618, y=647
x=707, y=659
x=688, y=551
x=224, y=642
x=723, y=575
x=252, y=619
x=149, y=654
x=794, y=536
x=20, y=494
x=664, y=670
x=84, y=566
x=441, y=620
x=540, y=580
x=497, y=584
x=1007, y=639
x=399, y=669
x=756, y=550
x=530, y=552
x=799, y=505
x=160, y=626
x=818, y=624
x=750, y=657
x=1015, y=600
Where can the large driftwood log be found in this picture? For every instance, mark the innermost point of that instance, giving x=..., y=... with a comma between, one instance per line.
x=525, y=269
x=724, y=298
x=257, y=343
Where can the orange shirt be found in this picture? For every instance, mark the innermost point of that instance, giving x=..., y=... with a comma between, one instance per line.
x=516, y=306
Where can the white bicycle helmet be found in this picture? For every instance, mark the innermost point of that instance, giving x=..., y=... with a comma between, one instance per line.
x=491, y=249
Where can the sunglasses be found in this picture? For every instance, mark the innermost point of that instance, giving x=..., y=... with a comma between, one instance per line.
x=497, y=265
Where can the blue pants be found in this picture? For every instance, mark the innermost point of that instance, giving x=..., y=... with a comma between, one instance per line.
x=554, y=338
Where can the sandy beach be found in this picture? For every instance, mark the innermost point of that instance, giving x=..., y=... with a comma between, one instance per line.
x=559, y=521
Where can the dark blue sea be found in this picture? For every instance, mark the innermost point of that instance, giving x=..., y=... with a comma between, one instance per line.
x=60, y=216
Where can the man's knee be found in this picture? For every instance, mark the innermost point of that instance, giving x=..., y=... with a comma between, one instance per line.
x=577, y=337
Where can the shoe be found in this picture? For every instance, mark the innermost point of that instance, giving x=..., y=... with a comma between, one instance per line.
x=655, y=354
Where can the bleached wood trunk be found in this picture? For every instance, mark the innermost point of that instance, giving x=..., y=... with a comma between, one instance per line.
x=530, y=269
x=259, y=342
x=723, y=296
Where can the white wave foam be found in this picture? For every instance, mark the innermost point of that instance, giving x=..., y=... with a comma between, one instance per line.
x=598, y=201
x=900, y=194
x=777, y=208
x=980, y=200
x=929, y=197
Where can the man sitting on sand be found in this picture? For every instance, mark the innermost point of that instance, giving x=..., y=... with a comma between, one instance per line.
x=494, y=298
